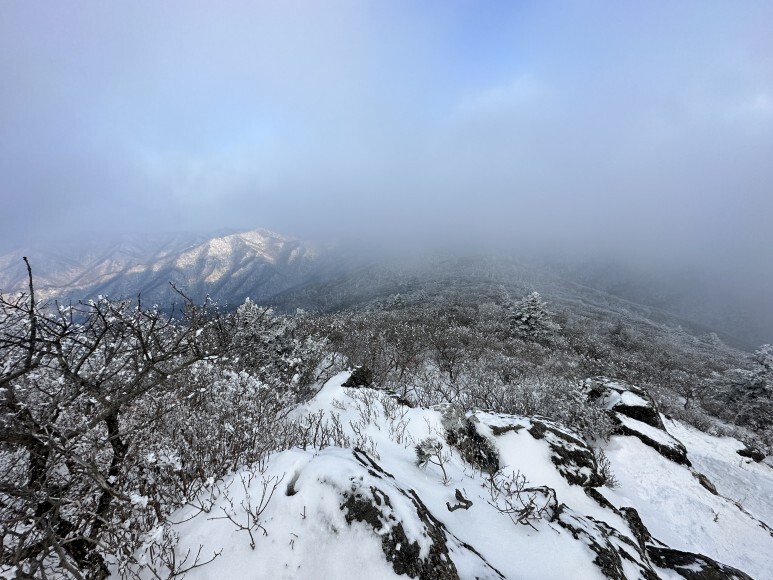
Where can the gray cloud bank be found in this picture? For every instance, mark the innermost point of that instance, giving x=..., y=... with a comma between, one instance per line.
x=638, y=130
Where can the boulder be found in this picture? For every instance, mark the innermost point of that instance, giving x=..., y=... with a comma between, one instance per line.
x=752, y=453
x=360, y=377
x=628, y=400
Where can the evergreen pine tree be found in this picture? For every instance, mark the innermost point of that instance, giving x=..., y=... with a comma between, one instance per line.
x=529, y=317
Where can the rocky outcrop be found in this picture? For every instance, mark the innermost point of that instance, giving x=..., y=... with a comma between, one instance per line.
x=572, y=457
x=617, y=555
x=752, y=453
x=693, y=566
x=374, y=506
x=634, y=413
x=628, y=400
x=705, y=482
x=426, y=557
x=360, y=377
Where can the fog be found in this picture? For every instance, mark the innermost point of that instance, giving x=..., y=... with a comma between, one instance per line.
x=641, y=132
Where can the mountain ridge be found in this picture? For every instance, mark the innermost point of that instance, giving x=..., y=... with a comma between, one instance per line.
x=289, y=273
x=255, y=263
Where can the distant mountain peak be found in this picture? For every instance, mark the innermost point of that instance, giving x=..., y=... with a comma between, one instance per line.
x=230, y=266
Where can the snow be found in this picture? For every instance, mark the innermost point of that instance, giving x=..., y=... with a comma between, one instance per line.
x=303, y=532
x=139, y=500
x=679, y=511
x=630, y=399
x=619, y=393
x=737, y=478
x=306, y=535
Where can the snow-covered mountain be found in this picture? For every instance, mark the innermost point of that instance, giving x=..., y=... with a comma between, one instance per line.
x=257, y=263
x=289, y=273
x=489, y=496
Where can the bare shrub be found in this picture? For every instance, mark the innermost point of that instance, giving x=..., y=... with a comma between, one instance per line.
x=604, y=468
x=510, y=496
x=430, y=451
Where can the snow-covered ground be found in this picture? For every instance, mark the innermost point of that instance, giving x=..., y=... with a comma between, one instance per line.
x=362, y=508
x=679, y=511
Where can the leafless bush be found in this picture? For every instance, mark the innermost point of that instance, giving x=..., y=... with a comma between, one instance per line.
x=249, y=515
x=72, y=378
x=397, y=416
x=604, y=468
x=113, y=415
x=509, y=495
x=430, y=451
x=158, y=557
x=319, y=430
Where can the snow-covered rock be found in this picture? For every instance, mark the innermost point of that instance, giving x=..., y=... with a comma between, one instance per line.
x=503, y=497
x=635, y=413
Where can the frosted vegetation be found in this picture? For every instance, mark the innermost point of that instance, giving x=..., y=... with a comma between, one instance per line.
x=143, y=443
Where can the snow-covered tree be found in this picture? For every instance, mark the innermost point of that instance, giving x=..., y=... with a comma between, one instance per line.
x=72, y=380
x=276, y=349
x=764, y=356
x=529, y=317
x=760, y=394
x=746, y=396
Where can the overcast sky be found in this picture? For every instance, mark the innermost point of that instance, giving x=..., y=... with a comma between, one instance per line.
x=641, y=126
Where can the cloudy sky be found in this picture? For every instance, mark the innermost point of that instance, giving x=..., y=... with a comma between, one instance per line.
x=642, y=126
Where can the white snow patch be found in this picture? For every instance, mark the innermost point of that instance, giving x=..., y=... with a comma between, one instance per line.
x=677, y=510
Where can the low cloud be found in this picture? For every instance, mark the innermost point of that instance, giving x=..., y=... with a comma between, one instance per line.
x=639, y=131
